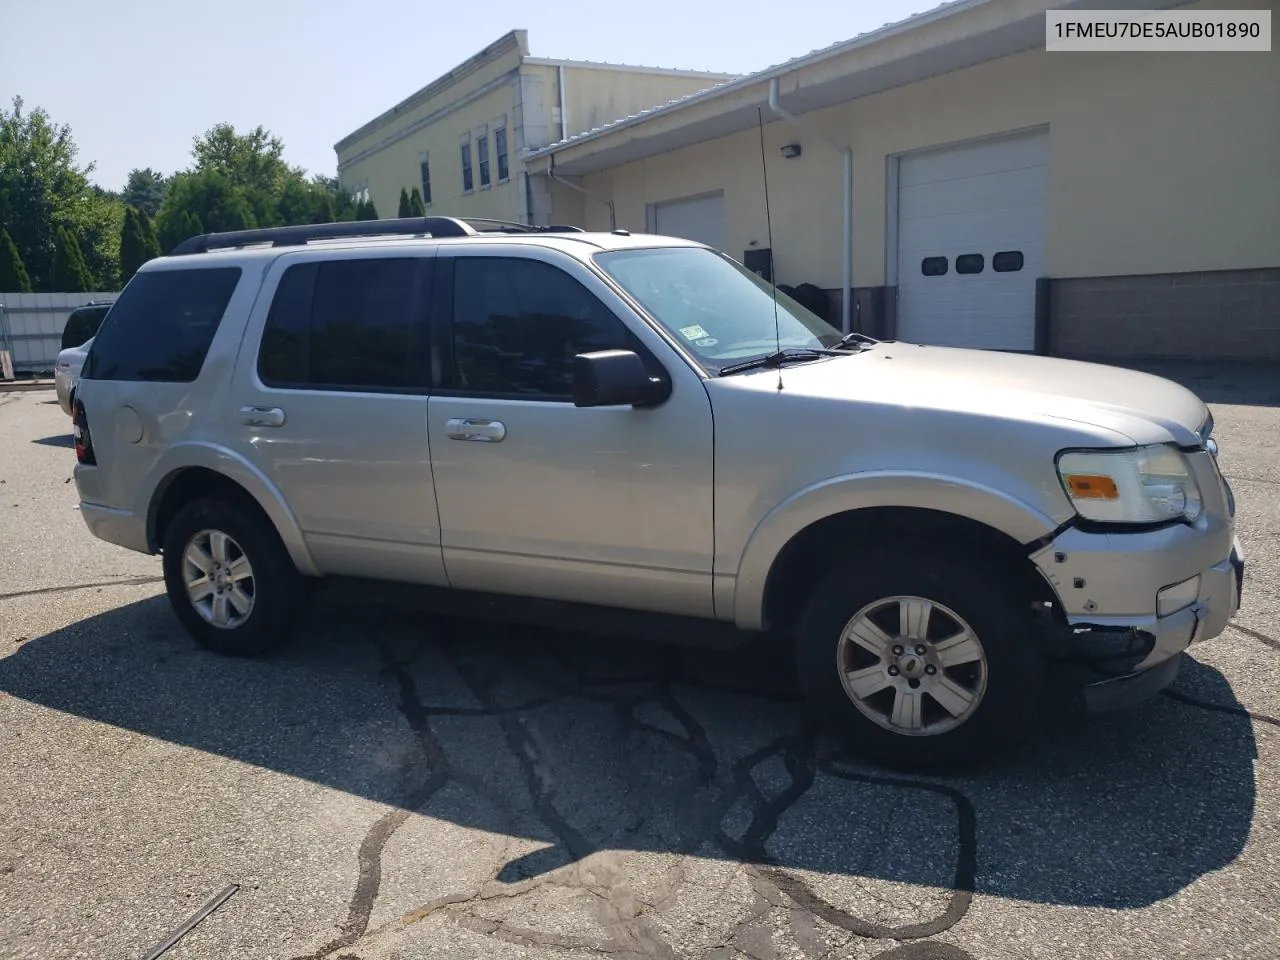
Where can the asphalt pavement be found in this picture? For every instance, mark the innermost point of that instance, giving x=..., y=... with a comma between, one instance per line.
x=402, y=787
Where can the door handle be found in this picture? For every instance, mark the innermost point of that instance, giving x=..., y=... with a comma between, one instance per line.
x=486, y=431
x=262, y=416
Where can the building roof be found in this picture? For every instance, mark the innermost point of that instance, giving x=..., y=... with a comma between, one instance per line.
x=968, y=32
x=512, y=40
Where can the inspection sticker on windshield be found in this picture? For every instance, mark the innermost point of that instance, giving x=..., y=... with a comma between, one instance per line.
x=706, y=342
x=693, y=333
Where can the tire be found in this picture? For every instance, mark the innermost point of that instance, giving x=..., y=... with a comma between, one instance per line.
x=1002, y=683
x=274, y=586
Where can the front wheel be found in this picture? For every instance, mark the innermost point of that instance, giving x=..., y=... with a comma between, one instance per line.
x=926, y=662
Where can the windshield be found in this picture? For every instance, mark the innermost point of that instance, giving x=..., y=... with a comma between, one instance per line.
x=721, y=311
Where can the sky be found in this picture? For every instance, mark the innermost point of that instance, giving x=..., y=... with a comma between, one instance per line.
x=136, y=80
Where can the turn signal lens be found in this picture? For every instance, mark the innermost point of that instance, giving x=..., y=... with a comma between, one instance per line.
x=1085, y=486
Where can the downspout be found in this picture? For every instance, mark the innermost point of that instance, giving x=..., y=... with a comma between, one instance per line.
x=564, y=109
x=846, y=154
x=551, y=172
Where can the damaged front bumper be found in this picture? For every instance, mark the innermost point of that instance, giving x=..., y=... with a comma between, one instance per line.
x=1139, y=654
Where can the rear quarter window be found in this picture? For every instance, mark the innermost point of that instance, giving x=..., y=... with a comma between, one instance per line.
x=82, y=325
x=162, y=325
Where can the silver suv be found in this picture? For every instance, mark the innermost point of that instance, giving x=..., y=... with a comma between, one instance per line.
x=638, y=435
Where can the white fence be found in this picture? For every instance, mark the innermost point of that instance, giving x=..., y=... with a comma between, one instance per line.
x=31, y=326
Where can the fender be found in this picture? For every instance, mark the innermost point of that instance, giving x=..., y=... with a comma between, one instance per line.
x=234, y=467
x=859, y=491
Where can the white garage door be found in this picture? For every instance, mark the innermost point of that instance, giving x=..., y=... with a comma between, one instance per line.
x=971, y=223
x=698, y=218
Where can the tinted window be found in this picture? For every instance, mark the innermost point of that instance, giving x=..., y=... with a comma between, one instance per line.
x=517, y=325
x=82, y=325
x=349, y=324
x=161, y=327
x=969, y=263
x=933, y=266
x=1007, y=261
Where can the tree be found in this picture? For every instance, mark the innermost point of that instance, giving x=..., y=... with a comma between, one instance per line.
x=13, y=273
x=138, y=243
x=131, y=256
x=365, y=210
x=251, y=161
x=43, y=189
x=144, y=191
x=416, y=207
x=404, y=204
x=70, y=274
x=211, y=198
x=150, y=245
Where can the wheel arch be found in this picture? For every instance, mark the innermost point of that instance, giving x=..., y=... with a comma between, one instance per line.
x=809, y=533
x=194, y=471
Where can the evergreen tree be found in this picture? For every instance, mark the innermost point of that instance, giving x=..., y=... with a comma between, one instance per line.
x=416, y=207
x=131, y=252
x=13, y=273
x=70, y=273
x=404, y=204
x=150, y=244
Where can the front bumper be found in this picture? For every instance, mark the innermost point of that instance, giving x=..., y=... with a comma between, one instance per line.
x=1108, y=585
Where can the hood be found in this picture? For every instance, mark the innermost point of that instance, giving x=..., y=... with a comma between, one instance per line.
x=1140, y=406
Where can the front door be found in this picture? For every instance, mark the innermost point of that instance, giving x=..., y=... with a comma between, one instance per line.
x=605, y=505
x=330, y=402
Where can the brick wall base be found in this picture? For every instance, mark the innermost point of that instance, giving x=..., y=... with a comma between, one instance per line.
x=1218, y=315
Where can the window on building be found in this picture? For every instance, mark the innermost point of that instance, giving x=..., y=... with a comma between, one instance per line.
x=970, y=263
x=468, y=183
x=161, y=326
x=1007, y=261
x=933, y=266
x=482, y=158
x=425, y=169
x=517, y=325
x=500, y=150
x=348, y=325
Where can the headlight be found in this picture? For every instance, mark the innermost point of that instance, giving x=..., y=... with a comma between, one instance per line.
x=1144, y=485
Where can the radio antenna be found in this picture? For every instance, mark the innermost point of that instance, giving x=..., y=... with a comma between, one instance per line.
x=768, y=223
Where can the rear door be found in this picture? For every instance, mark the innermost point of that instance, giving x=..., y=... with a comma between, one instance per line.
x=329, y=400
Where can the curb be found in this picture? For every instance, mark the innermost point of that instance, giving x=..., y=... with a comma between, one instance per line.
x=22, y=386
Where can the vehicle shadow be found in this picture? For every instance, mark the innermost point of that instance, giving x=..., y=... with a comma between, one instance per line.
x=586, y=745
x=62, y=440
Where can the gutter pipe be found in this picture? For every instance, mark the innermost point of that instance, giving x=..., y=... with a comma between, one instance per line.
x=846, y=154
x=551, y=172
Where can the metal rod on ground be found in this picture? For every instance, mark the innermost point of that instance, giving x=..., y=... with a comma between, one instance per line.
x=210, y=905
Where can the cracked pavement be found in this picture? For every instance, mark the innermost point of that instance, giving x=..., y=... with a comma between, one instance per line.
x=398, y=787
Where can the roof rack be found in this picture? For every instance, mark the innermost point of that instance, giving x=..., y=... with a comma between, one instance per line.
x=302, y=234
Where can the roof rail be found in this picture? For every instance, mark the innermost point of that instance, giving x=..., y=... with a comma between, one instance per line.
x=302, y=234
x=487, y=225
x=305, y=233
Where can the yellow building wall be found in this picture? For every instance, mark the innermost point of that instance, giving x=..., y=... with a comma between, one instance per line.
x=396, y=166
x=1158, y=163
x=594, y=97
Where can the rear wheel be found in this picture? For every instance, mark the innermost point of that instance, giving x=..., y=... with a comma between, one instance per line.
x=229, y=579
x=927, y=662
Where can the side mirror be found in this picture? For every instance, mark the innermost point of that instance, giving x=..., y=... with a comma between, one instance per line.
x=614, y=378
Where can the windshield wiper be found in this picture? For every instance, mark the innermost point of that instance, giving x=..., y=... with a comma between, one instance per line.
x=855, y=340
x=777, y=359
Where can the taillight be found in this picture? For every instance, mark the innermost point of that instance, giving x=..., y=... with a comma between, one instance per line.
x=84, y=443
